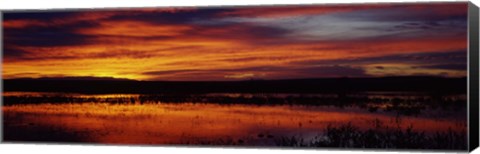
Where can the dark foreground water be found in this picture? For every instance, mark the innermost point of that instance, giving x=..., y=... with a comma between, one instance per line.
x=362, y=120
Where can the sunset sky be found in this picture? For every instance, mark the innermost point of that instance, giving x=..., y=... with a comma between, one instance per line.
x=239, y=43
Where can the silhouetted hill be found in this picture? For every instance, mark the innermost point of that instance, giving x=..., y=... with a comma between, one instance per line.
x=322, y=85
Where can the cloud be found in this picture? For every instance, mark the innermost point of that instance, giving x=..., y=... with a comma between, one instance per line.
x=161, y=17
x=292, y=11
x=240, y=76
x=412, y=58
x=245, y=33
x=169, y=72
x=134, y=29
x=440, y=9
x=53, y=35
x=423, y=12
x=333, y=71
x=232, y=43
x=461, y=67
x=260, y=72
x=12, y=52
x=60, y=18
x=356, y=22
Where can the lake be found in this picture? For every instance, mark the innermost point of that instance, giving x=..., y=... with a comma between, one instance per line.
x=383, y=119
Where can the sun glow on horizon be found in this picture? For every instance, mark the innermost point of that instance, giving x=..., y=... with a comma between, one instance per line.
x=239, y=43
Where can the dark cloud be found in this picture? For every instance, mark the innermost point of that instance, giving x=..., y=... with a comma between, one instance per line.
x=332, y=71
x=47, y=36
x=32, y=57
x=415, y=58
x=50, y=33
x=161, y=18
x=216, y=71
x=60, y=28
x=420, y=12
x=447, y=66
x=432, y=28
x=404, y=21
x=45, y=39
x=263, y=72
x=13, y=52
x=38, y=15
x=249, y=33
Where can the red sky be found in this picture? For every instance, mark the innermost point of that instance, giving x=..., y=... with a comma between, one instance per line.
x=239, y=43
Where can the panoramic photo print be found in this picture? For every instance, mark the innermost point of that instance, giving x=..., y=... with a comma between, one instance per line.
x=377, y=76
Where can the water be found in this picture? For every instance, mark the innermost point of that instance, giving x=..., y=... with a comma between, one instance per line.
x=208, y=119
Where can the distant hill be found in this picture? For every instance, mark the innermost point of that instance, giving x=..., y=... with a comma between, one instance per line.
x=317, y=85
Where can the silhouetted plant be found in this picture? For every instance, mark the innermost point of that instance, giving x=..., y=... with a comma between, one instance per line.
x=349, y=136
x=402, y=105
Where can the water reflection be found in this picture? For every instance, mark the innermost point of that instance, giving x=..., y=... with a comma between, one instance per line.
x=219, y=119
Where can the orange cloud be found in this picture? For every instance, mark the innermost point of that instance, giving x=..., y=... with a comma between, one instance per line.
x=146, y=49
x=21, y=23
x=130, y=60
x=136, y=29
x=89, y=16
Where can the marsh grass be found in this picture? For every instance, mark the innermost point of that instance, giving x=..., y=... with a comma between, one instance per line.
x=349, y=136
x=400, y=104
